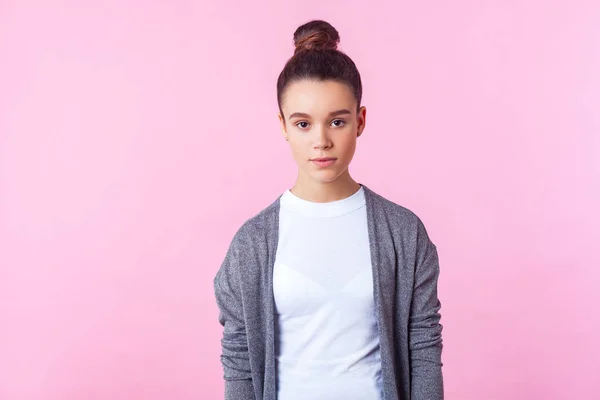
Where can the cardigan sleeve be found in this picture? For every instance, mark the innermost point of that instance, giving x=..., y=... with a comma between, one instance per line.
x=235, y=358
x=425, y=330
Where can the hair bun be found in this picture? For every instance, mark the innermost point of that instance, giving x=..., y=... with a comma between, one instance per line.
x=316, y=35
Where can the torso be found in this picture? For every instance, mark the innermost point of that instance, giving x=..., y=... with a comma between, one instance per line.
x=327, y=343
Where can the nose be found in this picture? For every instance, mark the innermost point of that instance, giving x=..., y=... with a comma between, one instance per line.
x=322, y=139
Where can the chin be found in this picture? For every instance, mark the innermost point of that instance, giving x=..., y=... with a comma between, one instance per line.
x=325, y=176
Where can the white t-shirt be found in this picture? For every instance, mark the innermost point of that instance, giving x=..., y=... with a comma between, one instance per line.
x=327, y=342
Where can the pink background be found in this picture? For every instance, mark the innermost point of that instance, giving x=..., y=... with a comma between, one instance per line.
x=135, y=139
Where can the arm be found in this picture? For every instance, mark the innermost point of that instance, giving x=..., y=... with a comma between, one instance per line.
x=234, y=357
x=425, y=331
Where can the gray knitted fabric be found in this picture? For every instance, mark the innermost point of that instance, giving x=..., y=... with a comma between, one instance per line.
x=405, y=275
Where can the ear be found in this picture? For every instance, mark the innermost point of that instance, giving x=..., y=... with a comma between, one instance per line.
x=282, y=124
x=361, y=119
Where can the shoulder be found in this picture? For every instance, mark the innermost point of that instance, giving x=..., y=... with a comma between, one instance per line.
x=250, y=241
x=403, y=224
x=400, y=217
x=257, y=228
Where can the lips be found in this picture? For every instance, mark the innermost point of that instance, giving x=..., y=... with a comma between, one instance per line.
x=323, y=162
x=323, y=159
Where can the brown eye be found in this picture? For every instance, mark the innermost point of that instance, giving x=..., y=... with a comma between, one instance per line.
x=302, y=122
x=342, y=122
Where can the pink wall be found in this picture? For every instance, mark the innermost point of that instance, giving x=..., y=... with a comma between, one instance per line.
x=135, y=139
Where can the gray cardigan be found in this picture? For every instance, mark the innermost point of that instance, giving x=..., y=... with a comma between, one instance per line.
x=405, y=274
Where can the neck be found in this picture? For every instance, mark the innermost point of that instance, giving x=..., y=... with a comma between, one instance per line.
x=321, y=192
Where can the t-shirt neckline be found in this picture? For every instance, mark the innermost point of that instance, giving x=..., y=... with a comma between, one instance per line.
x=327, y=209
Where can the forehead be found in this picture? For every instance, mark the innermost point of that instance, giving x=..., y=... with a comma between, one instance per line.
x=317, y=98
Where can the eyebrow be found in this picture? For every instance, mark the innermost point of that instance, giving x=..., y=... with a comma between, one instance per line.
x=331, y=114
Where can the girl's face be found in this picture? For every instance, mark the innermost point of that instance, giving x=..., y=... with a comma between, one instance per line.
x=321, y=121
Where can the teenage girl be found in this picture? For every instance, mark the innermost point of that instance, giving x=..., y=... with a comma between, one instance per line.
x=330, y=292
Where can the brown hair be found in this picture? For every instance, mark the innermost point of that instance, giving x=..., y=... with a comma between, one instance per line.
x=317, y=57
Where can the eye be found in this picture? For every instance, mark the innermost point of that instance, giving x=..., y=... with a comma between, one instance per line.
x=341, y=122
x=298, y=124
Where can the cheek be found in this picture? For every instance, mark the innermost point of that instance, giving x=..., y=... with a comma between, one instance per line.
x=347, y=142
x=299, y=151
